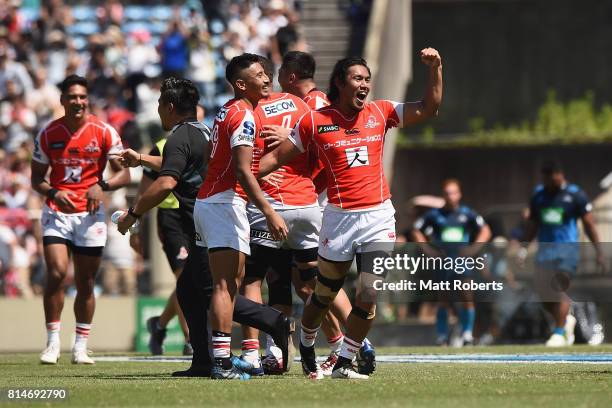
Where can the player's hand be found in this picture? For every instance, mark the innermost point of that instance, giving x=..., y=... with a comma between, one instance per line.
x=275, y=178
x=277, y=226
x=129, y=158
x=274, y=135
x=125, y=222
x=521, y=257
x=94, y=195
x=136, y=243
x=63, y=201
x=431, y=57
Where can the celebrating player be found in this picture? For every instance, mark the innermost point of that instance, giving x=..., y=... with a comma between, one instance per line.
x=76, y=148
x=296, y=76
x=449, y=229
x=554, y=208
x=185, y=157
x=292, y=196
x=220, y=212
x=348, y=136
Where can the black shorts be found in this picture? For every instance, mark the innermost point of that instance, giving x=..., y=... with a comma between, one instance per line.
x=171, y=231
x=264, y=258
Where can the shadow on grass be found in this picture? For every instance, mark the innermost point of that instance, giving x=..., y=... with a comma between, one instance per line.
x=102, y=376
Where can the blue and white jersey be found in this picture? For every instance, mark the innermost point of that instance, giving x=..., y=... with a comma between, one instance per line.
x=444, y=226
x=556, y=214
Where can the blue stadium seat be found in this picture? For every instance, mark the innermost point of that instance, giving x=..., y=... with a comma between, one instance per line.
x=134, y=26
x=163, y=13
x=136, y=13
x=85, y=28
x=158, y=27
x=216, y=41
x=216, y=26
x=84, y=13
x=80, y=43
x=29, y=14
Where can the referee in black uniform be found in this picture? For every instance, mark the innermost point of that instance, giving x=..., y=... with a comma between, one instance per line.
x=181, y=171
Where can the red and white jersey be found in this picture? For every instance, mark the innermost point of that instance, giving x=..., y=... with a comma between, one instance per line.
x=296, y=188
x=351, y=150
x=316, y=99
x=235, y=125
x=78, y=159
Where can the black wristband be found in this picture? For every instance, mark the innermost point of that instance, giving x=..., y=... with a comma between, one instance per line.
x=132, y=213
x=104, y=185
x=51, y=193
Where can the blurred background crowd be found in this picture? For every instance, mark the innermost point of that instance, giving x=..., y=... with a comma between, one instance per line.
x=124, y=51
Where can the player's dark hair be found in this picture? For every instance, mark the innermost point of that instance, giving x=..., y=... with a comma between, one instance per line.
x=551, y=167
x=449, y=181
x=70, y=80
x=268, y=67
x=299, y=63
x=182, y=93
x=237, y=64
x=340, y=71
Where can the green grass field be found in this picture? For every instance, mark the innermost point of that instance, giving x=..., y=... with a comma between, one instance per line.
x=121, y=384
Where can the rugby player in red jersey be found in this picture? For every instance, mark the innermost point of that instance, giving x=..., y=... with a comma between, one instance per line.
x=348, y=136
x=296, y=76
x=220, y=212
x=76, y=148
x=292, y=195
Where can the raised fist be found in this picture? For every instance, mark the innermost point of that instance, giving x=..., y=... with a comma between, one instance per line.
x=431, y=57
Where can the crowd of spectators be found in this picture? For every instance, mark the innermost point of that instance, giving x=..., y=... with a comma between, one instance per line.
x=124, y=50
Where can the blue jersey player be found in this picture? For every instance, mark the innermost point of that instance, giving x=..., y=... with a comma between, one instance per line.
x=554, y=208
x=448, y=231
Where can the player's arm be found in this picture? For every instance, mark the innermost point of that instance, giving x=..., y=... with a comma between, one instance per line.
x=274, y=135
x=155, y=194
x=120, y=178
x=421, y=240
x=588, y=222
x=39, y=183
x=174, y=160
x=242, y=156
x=415, y=112
x=291, y=147
x=278, y=157
x=482, y=236
x=532, y=224
x=131, y=158
x=136, y=239
x=95, y=193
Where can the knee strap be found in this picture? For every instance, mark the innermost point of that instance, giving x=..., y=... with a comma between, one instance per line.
x=364, y=314
x=326, y=290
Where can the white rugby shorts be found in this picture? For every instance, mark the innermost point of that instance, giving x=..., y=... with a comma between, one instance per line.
x=303, y=224
x=220, y=225
x=82, y=229
x=345, y=233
